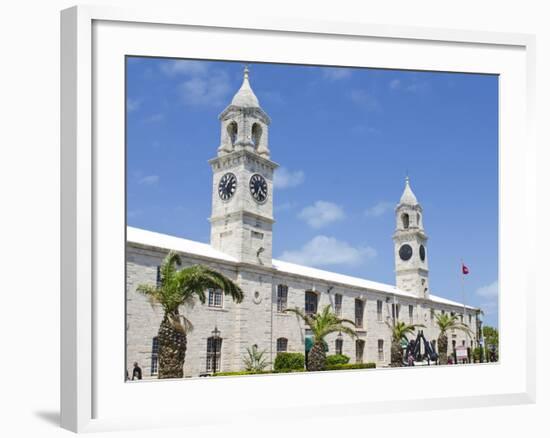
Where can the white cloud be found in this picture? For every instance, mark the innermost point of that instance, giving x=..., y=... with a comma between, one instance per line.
x=201, y=85
x=379, y=209
x=209, y=90
x=395, y=84
x=154, y=118
x=132, y=104
x=325, y=251
x=321, y=213
x=184, y=67
x=336, y=74
x=149, y=180
x=489, y=291
x=365, y=99
x=285, y=178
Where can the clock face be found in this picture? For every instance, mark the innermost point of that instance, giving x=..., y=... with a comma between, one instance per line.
x=405, y=252
x=422, y=253
x=227, y=186
x=258, y=187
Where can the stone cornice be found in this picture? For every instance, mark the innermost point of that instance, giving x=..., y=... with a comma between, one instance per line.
x=227, y=160
x=416, y=207
x=252, y=111
x=402, y=235
x=413, y=270
x=240, y=214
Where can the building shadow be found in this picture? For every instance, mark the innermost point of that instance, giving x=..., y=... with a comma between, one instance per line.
x=51, y=417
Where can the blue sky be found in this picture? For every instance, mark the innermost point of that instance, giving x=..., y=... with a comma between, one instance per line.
x=345, y=140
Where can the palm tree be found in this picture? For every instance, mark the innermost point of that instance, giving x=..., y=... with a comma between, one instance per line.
x=322, y=324
x=176, y=289
x=447, y=322
x=399, y=331
x=254, y=359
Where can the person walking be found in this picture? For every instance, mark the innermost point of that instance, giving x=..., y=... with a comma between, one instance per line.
x=136, y=373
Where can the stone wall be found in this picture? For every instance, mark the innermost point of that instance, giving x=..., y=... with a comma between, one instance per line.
x=257, y=321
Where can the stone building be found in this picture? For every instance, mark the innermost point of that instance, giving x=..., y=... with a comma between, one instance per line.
x=241, y=248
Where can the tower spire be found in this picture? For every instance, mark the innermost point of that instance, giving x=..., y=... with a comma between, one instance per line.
x=408, y=197
x=245, y=97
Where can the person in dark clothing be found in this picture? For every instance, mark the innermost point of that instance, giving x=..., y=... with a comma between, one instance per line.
x=136, y=374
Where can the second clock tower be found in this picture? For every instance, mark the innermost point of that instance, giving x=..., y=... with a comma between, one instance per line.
x=242, y=191
x=410, y=243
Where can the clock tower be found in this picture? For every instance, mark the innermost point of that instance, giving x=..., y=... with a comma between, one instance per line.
x=242, y=190
x=410, y=243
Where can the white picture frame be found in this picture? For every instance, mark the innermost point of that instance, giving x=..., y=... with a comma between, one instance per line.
x=94, y=396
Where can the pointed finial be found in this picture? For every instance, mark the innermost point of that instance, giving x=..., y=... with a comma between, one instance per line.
x=408, y=196
x=245, y=97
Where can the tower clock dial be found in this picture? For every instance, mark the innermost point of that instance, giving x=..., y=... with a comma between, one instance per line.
x=258, y=188
x=405, y=252
x=422, y=252
x=227, y=186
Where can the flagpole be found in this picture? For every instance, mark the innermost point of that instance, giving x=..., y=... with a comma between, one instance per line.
x=463, y=294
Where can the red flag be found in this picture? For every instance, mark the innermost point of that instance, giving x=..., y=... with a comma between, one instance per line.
x=465, y=269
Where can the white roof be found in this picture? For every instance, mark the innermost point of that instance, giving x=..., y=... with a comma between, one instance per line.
x=151, y=238
x=245, y=97
x=442, y=300
x=333, y=277
x=144, y=237
x=408, y=197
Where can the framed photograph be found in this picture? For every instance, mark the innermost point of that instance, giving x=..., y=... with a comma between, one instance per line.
x=274, y=206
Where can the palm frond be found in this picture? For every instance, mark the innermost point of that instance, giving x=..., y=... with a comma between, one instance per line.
x=152, y=293
x=168, y=267
x=198, y=278
x=324, y=323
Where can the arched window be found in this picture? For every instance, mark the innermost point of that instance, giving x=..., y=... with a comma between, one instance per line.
x=339, y=346
x=155, y=356
x=213, y=354
x=256, y=134
x=232, y=132
x=380, y=349
x=282, y=297
x=418, y=219
x=311, y=303
x=359, y=349
x=405, y=220
x=282, y=345
x=359, y=311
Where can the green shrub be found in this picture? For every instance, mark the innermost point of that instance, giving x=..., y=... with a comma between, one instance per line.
x=289, y=361
x=288, y=371
x=477, y=354
x=240, y=373
x=248, y=373
x=337, y=359
x=350, y=366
